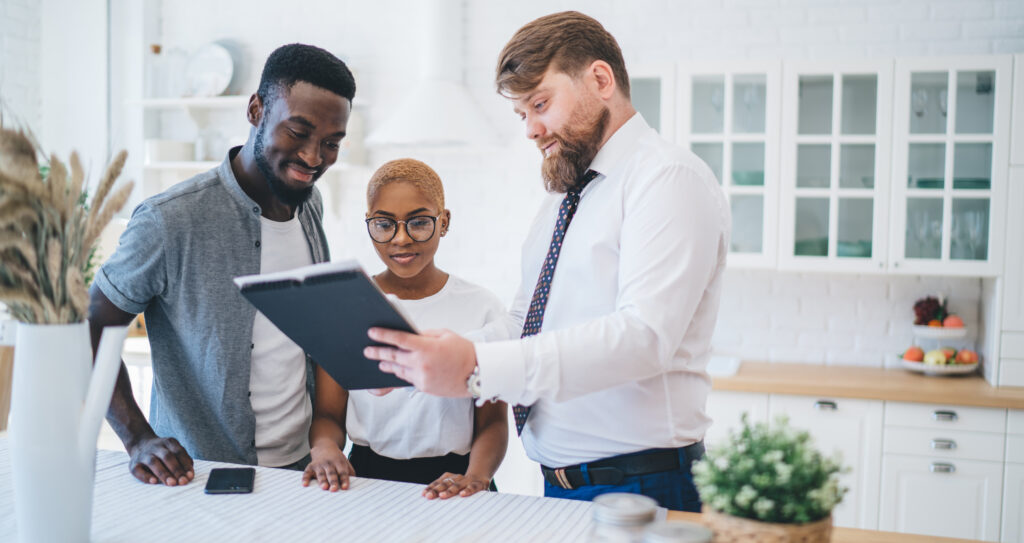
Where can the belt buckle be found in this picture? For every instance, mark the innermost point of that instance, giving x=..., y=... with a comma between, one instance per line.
x=563, y=480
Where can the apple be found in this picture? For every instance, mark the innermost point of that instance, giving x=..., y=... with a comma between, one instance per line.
x=966, y=356
x=935, y=358
x=950, y=353
x=953, y=321
x=914, y=354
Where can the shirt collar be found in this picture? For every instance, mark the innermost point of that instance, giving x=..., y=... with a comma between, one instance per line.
x=227, y=177
x=619, y=145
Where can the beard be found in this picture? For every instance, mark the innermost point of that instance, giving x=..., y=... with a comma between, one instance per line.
x=578, y=144
x=284, y=193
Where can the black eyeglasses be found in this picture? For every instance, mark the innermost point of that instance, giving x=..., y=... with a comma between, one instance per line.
x=384, y=229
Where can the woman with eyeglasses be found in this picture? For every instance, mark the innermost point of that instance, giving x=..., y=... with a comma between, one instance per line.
x=448, y=444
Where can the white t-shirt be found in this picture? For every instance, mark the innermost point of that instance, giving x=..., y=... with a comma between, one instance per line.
x=277, y=383
x=408, y=423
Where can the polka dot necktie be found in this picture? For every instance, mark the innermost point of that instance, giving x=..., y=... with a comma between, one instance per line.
x=535, y=317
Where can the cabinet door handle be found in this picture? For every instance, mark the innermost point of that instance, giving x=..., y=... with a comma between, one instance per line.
x=942, y=467
x=949, y=416
x=825, y=405
x=943, y=444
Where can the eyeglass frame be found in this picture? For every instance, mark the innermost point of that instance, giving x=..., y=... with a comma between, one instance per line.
x=404, y=224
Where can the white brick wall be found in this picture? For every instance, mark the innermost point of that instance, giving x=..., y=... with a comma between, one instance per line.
x=493, y=193
x=833, y=319
x=20, y=22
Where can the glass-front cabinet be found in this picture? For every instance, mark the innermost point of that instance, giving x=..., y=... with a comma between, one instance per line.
x=836, y=141
x=951, y=134
x=653, y=93
x=729, y=116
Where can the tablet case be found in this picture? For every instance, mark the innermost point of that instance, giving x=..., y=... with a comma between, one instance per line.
x=326, y=310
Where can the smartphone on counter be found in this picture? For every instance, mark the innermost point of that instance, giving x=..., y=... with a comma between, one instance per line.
x=230, y=480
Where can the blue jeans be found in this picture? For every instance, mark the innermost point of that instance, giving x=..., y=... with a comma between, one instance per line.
x=672, y=489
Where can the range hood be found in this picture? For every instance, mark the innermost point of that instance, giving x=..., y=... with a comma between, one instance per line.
x=438, y=109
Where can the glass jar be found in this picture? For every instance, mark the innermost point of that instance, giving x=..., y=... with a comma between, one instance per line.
x=621, y=518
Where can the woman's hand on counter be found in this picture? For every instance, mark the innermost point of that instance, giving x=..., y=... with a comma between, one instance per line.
x=329, y=467
x=452, y=484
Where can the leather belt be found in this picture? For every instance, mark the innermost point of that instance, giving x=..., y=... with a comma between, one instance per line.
x=611, y=471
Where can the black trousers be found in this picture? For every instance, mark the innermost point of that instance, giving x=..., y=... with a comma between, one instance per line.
x=414, y=470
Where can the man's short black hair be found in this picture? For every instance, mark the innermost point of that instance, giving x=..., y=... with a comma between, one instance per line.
x=296, y=62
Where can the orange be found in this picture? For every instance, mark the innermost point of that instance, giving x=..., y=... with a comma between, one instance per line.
x=953, y=321
x=913, y=354
x=935, y=322
x=966, y=357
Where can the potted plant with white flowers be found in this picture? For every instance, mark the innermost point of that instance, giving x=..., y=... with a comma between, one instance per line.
x=767, y=483
x=47, y=234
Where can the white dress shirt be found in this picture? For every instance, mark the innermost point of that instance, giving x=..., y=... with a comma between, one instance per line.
x=408, y=423
x=619, y=365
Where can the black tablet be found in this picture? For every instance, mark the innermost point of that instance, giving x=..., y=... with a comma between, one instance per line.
x=326, y=309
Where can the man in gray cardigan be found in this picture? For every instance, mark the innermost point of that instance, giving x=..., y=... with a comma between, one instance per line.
x=227, y=385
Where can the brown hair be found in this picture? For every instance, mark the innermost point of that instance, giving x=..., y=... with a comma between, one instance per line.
x=409, y=170
x=569, y=40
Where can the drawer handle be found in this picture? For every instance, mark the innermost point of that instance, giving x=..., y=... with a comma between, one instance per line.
x=949, y=416
x=825, y=405
x=942, y=467
x=943, y=444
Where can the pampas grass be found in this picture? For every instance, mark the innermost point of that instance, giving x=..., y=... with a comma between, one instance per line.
x=47, y=233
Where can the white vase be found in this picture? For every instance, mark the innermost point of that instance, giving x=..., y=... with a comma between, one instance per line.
x=58, y=401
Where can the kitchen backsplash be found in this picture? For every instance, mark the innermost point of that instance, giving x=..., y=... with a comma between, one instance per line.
x=832, y=318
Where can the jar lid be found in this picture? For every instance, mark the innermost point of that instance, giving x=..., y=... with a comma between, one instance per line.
x=677, y=531
x=624, y=509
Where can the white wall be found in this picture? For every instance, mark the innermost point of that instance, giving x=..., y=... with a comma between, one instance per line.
x=20, y=33
x=73, y=87
x=493, y=192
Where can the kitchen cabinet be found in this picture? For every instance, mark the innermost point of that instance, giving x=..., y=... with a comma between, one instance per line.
x=951, y=120
x=729, y=116
x=942, y=470
x=1013, y=286
x=726, y=410
x=1017, y=137
x=851, y=428
x=653, y=92
x=1013, y=504
x=1013, y=481
x=928, y=496
x=852, y=166
x=834, y=180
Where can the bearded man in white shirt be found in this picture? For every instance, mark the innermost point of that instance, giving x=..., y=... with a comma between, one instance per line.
x=621, y=280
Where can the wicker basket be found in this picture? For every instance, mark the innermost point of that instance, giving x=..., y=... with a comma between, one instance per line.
x=730, y=529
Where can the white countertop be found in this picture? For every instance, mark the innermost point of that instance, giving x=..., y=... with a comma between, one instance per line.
x=281, y=509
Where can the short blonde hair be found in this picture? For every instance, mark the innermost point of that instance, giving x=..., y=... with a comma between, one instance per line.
x=407, y=170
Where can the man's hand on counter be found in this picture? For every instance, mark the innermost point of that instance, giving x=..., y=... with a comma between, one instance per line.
x=156, y=459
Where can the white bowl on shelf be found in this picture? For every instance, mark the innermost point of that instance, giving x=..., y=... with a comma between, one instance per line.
x=939, y=332
x=943, y=369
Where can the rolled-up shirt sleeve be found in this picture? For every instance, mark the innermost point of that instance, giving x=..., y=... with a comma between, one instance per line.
x=137, y=272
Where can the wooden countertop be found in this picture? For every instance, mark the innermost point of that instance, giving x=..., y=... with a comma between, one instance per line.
x=849, y=535
x=868, y=383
